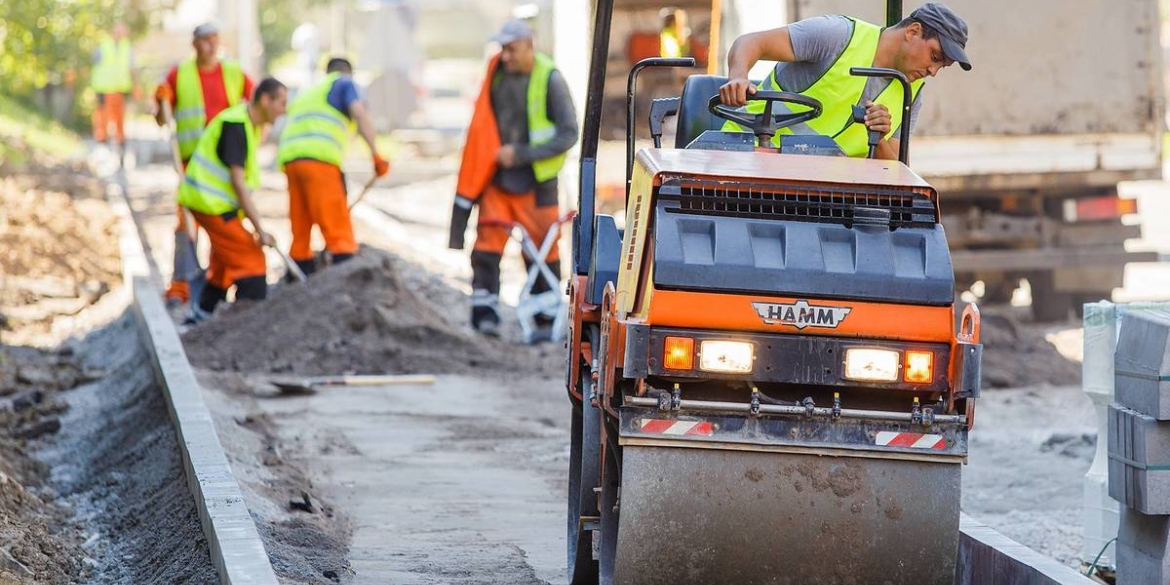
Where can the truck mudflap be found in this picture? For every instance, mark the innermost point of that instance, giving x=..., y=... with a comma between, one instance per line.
x=722, y=498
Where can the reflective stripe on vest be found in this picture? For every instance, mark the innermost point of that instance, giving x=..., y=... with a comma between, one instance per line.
x=315, y=130
x=540, y=128
x=111, y=74
x=838, y=91
x=190, y=114
x=207, y=186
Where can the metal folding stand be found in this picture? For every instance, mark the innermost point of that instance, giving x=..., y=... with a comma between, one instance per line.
x=550, y=303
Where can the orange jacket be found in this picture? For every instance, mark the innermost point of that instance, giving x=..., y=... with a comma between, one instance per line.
x=483, y=143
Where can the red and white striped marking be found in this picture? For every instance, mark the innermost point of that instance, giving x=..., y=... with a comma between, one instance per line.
x=677, y=428
x=910, y=440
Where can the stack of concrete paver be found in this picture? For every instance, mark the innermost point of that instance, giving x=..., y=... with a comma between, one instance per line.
x=1139, y=447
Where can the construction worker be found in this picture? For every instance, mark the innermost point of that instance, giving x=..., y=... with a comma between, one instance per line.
x=522, y=126
x=321, y=120
x=673, y=38
x=814, y=57
x=113, y=77
x=217, y=189
x=198, y=89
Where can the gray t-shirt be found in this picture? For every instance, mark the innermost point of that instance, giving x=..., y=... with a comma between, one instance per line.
x=817, y=42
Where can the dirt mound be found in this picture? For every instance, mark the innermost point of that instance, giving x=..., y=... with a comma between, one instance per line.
x=58, y=256
x=1016, y=354
x=58, y=252
x=360, y=317
x=38, y=543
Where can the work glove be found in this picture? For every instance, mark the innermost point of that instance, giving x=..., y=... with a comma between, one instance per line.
x=460, y=214
x=381, y=165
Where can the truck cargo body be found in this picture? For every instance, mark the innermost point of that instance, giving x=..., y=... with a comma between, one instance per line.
x=1065, y=100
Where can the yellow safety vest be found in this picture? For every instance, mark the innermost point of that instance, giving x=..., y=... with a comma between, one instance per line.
x=111, y=74
x=670, y=46
x=190, y=115
x=316, y=130
x=207, y=186
x=540, y=128
x=838, y=91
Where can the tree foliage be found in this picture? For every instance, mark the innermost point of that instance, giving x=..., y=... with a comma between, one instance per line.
x=50, y=42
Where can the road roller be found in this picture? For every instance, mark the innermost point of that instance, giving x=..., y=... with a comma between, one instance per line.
x=770, y=376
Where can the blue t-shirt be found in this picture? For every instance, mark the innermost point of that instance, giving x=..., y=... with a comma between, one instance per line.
x=343, y=94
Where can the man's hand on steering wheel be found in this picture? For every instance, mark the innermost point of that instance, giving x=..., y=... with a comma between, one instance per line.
x=735, y=92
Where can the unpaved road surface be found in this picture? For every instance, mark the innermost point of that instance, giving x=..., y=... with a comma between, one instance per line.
x=464, y=481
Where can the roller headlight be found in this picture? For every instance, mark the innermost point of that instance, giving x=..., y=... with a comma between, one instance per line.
x=872, y=365
x=731, y=357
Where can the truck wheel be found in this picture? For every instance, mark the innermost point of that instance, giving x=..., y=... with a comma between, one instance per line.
x=584, y=460
x=1048, y=305
x=998, y=291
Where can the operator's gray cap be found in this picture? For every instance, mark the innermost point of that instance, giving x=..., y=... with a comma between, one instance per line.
x=951, y=29
x=206, y=29
x=512, y=31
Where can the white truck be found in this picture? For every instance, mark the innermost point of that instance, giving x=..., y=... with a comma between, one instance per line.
x=1064, y=100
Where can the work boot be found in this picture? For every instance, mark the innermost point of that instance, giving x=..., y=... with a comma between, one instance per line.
x=484, y=318
x=178, y=293
x=488, y=328
x=194, y=317
x=485, y=321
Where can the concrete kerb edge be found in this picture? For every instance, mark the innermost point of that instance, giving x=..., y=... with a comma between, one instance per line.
x=233, y=540
x=984, y=553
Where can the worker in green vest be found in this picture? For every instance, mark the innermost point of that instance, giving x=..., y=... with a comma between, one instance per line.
x=321, y=120
x=523, y=124
x=217, y=189
x=814, y=57
x=112, y=78
x=673, y=37
x=197, y=89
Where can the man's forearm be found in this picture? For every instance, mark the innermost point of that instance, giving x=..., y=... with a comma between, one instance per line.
x=365, y=126
x=239, y=183
x=561, y=143
x=887, y=149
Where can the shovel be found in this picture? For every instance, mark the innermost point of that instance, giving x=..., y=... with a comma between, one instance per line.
x=310, y=385
x=365, y=189
x=290, y=265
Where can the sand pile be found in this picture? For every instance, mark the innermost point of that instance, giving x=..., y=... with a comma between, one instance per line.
x=361, y=317
x=1017, y=354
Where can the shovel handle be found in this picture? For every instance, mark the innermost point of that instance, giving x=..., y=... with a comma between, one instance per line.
x=291, y=266
x=365, y=189
x=378, y=380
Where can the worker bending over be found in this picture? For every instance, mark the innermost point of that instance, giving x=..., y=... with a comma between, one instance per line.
x=217, y=189
x=198, y=89
x=321, y=120
x=523, y=125
x=814, y=57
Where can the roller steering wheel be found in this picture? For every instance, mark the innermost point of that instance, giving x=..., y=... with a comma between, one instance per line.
x=765, y=124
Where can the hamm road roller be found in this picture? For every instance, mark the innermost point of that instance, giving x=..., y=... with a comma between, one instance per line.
x=770, y=379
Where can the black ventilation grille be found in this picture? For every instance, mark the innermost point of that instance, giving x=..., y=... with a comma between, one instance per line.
x=800, y=202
